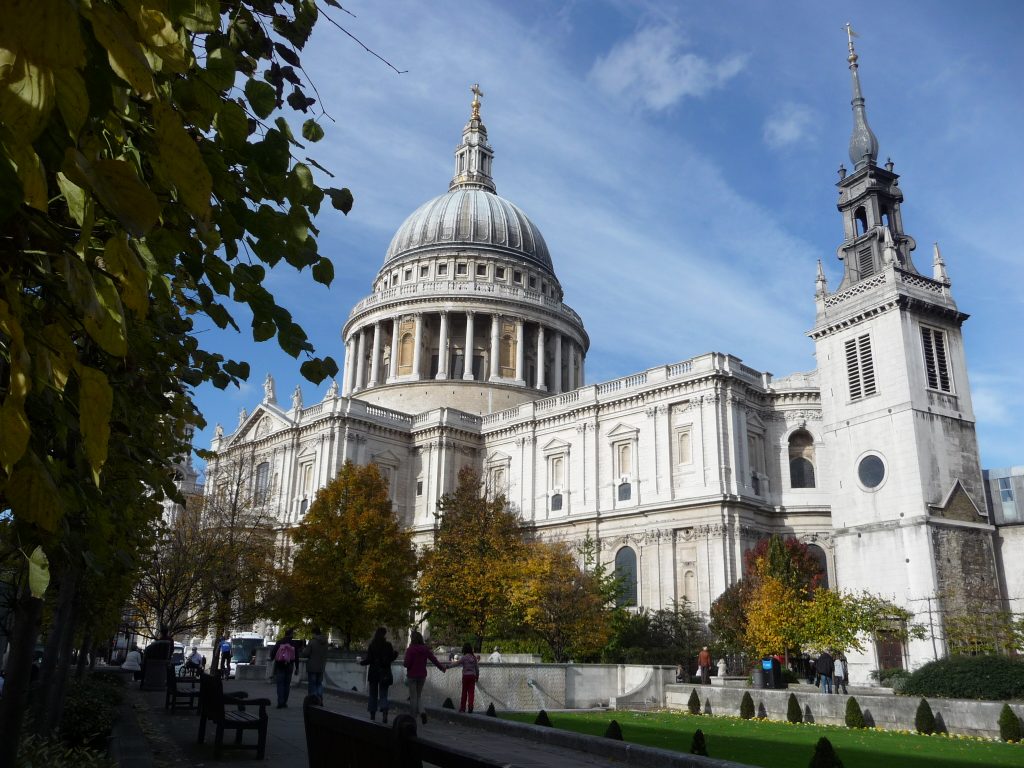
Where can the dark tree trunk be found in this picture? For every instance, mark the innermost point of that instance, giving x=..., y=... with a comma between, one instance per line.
x=86, y=655
x=44, y=703
x=17, y=684
x=59, y=681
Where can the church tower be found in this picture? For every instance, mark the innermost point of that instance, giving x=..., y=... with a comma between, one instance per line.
x=898, y=424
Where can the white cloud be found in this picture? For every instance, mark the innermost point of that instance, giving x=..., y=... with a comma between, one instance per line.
x=789, y=124
x=651, y=68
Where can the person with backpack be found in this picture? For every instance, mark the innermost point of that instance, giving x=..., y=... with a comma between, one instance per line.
x=284, y=655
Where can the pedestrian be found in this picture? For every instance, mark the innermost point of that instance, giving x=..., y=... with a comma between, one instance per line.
x=704, y=666
x=315, y=654
x=133, y=662
x=415, y=662
x=495, y=657
x=283, y=655
x=470, y=673
x=826, y=668
x=225, y=657
x=379, y=656
x=841, y=675
x=680, y=673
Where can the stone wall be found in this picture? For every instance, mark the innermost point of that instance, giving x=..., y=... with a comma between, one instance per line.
x=973, y=718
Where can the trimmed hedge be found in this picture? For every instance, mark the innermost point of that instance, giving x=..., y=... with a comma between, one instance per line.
x=854, y=715
x=698, y=746
x=993, y=678
x=693, y=703
x=825, y=755
x=746, y=706
x=613, y=731
x=542, y=719
x=793, y=712
x=924, y=720
x=1009, y=724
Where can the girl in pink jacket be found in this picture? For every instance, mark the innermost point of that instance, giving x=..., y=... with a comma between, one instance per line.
x=470, y=673
x=415, y=663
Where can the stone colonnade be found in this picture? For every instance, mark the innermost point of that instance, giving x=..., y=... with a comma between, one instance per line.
x=504, y=349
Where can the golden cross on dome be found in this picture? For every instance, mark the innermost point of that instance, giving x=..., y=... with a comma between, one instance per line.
x=477, y=93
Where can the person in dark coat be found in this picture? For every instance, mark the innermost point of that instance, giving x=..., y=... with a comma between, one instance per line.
x=826, y=668
x=315, y=654
x=378, y=659
x=285, y=664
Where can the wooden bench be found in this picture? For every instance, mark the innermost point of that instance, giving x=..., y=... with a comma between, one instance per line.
x=334, y=740
x=175, y=696
x=214, y=706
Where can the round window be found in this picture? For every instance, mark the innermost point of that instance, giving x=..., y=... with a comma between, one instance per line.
x=871, y=471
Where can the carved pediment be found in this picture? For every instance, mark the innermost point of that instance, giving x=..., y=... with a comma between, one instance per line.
x=623, y=432
x=265, y=420
x=385, y=459
x=555, y=446
x=497, y=458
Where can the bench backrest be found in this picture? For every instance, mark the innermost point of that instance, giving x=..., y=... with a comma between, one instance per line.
x=211, y=697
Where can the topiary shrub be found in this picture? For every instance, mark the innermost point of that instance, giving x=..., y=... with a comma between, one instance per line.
x=613, y=731
x=793, y=712
x=89, y=712
x=746, y=706
x=1009, y=724
x=693, y=703
x=448, y=703
x=825, y=756
x=490, y=710
x=699, y=746
x=542, y=719
x=924, y=720
x=854, y=717
x=969, y=677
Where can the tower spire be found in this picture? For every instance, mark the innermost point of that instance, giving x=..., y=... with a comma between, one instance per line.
x=473, y=157
x=863, y=144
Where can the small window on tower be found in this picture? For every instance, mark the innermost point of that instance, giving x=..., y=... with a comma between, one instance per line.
x=424, y=270
x=936, y=361
x=499, y=272
x=408, y=275
x=860, y=367
x=517, y=277
x=481, y=270
x=442, y=269
x=533, y=281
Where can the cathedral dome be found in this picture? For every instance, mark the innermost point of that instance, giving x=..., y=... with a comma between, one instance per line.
x=472, y=217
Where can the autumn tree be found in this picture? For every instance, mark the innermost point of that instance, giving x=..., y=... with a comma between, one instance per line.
x=145, y=182
x=354, y=564
x=561, y=603
x=843, y=620
x=470, y=574
x=773, y=617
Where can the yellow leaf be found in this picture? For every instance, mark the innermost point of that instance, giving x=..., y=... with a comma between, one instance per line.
x=30, y=174
x=159, y=35
x=181, y=163
x=38, y=573
x=95, y=401
x=74, y=195
x=106, y=324
x=122, y=262
x=33, y=495
x=26, y=97
x=118, y=189
x=72, y=98
x=47, y=30
x=60, y=354
x=126, y=56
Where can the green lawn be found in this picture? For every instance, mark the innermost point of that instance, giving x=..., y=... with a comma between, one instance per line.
x=780, y=745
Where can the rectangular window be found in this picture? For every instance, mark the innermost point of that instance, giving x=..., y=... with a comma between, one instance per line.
x=419, y=487
x=1005, y=489
x=262, y=483
x=517, y=277
x=461, y=269
x=533, y=281
x=860, y=368
x=481, y=270
x=624, y=459
x=936, y=363
x=306, y=484
x=865, y=262
x=408, y=275
x=442, y=269
x=424, y=270
x=557, y=472
x=683, y=452
x=500, y=273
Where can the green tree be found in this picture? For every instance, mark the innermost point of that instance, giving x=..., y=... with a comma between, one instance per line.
x=354, y=563
x=470, y=575
x=773, y=618
x=844, y=620
x=142, y=187
x=561, y=603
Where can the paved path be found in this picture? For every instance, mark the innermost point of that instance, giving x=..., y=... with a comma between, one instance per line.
x=172, y=736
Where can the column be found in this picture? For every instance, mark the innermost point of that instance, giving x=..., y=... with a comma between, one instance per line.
x=556, y=381
x=467, y=368
x=375, y=355
x=540, y=358
x=346, y=374
x=360, y=360
x=570, y=364
x=495, y=367
x=393, y=372
x=442, y=348
x=519, y=351
x=417, y=343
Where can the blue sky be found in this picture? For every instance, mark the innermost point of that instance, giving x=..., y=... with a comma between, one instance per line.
x=680, y=159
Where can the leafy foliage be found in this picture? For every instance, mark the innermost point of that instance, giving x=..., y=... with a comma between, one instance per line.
x=924, y=720
x=969, y=677
x=793, y=712
x=693, y=703
x=842, y=620
x=1009, y=724
x=50, y=751
x=667, y=636
x=854, y=715
x=825, y=755
x=89, y=712
x=699, y=744
x=354, y=563
x=773, y=617
x=746, y=706
x=975, y=632
x=469, y=577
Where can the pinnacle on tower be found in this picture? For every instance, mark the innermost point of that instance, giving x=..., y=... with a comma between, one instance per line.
x=863, y=144
x=939, y=267
x=473, y=157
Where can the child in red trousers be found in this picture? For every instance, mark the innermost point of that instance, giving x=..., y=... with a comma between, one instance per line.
x=470, y=672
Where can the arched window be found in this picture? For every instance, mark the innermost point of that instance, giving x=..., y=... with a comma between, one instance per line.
x=861, y=217
x=819, y=557
x=801, y=459
x=507, y=355
x=556, y=502
x=625, y=491
x=405, y=350
x=625, y=569
x=262, y=483
x=690, y=587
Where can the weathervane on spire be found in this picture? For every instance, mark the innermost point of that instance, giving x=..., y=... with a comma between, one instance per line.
x=477, y=93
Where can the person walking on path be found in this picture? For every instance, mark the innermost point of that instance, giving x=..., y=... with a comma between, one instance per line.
x=704, y=665
x=826, y=668
x=470, y=672
x=495, y=657
x=378, y=659
x=225, y=657
x=283, y=655
x=133, y=663
x=840, y=674
x=415, y=662
x=315, y=654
